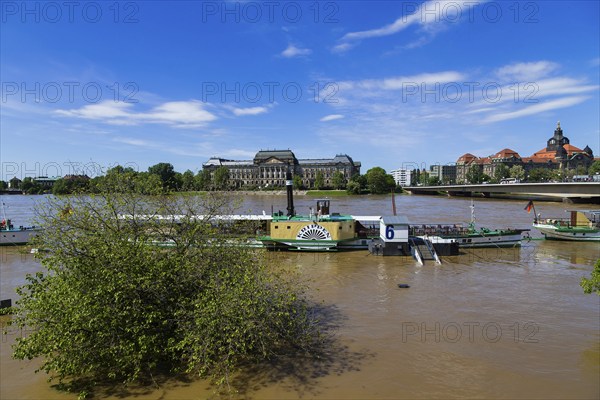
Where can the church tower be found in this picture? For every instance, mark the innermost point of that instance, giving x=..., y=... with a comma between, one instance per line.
x=558, y=140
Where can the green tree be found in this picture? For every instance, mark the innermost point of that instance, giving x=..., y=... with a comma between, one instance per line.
x=424, y=177
x=16, y=183
x=594, y=168
x=338, y=180
x=61, y=187
x=221, y=178
x=501, y=172
x=361, y=180
x=3, y=185
x=517, y=171
x=433, y=181
x=319, y=181
x=378, y=181
x=110, y=307
x=166, y=173
x=353, y=187
x=187, y=181
x=203, y=180
x=474, y=174
x=297, y=182
x=540, y=175
x=592, y=284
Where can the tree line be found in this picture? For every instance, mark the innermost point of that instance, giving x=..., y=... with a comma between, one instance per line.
x=163, y=178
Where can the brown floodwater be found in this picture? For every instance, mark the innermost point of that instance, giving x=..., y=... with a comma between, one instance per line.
x=489, y=323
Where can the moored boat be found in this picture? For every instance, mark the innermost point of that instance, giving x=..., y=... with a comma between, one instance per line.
x=582, y=225
x=11, y=235
x=470, y=236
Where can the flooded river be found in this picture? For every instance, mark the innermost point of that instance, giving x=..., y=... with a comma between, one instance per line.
x=490, y=323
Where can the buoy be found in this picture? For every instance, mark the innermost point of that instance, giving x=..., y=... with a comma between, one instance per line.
x=403, y=286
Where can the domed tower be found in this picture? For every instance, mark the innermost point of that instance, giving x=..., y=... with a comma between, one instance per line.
x=558, y=140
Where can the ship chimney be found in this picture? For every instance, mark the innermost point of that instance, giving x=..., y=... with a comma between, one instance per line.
x=289, y=184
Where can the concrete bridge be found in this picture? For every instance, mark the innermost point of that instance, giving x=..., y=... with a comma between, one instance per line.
x=586, y=192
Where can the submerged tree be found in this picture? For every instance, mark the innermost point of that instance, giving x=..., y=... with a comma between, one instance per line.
x=125, y=295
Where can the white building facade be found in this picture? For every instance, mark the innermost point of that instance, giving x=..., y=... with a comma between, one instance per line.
x=402, y=176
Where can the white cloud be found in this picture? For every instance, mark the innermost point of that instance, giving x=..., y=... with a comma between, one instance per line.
x=403, y=82
x=293, y=51
x=331, y=117
x=537, y=108
x=526, y=72
x=432, y=16
x=249, y=111
x=180, y=114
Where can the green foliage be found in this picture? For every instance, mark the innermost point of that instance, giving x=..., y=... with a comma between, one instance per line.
x=71, y=184
x=338, y=180
x=113, y=306
x=221, y=178
x=541, y=175
x=187, y=181
x=433, y=181
x=592, y=284
x=203, y=180
x=7, y=310
x=319, y=181
x=166, y=173
x=353, y=187
x=126, y=180
x=424, y=178
x=517, y=171
x=15, y=183
x=297, y=182
x=501, y=172
x=474, y=174
x=594, y=168
x=3, y=185
x=378, y=181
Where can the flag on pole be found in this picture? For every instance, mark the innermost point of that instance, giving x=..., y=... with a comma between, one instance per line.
x=529, y=206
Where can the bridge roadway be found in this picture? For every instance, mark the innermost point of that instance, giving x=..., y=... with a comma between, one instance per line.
x=568, y=191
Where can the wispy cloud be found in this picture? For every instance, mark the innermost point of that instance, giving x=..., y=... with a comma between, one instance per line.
x=431, y=16
x=439, y=101
x=179, y=114
x=293, y=51
x=331, y=117
x=536, y=108
x=526, y=72
x=403, y=82
x=249, y=111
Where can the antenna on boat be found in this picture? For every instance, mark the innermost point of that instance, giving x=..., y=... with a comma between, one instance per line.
x=472, y=207
x=393, y=203
x=3, y=212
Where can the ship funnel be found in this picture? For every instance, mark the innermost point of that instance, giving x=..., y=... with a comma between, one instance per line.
x=289, y=184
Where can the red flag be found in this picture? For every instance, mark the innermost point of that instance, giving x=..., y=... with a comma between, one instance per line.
x=529, y=206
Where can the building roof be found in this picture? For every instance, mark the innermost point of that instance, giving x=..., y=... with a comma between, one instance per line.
x=506, y=153
x=283, y=155
x=466, y=158
x=544, y=153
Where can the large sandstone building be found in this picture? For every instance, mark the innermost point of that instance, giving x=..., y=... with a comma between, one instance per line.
x=269, y=168
x=558, y=154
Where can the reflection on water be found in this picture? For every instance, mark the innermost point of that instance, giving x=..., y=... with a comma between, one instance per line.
x=488, y=323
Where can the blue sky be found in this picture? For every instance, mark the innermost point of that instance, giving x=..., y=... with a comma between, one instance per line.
x=390, y=83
